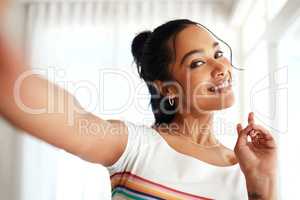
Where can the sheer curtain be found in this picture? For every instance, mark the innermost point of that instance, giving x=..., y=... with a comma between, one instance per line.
x=76, y=43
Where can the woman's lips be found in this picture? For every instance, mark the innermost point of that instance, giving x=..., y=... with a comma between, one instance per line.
x=226, y=85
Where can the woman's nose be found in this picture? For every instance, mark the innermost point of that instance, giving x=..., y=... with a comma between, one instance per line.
x=219, y=69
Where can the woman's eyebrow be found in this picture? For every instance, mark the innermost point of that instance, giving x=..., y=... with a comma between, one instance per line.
x=215, y=44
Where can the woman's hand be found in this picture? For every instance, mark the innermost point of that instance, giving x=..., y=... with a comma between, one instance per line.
x=259, y=155
x=3, y=8
x=257, y=159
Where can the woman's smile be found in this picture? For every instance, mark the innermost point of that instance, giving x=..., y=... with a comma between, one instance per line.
x=222, y=87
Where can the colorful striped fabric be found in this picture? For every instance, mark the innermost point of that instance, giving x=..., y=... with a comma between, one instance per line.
x=126, y=185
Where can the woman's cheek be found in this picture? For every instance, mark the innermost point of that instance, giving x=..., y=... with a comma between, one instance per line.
x=226, y=62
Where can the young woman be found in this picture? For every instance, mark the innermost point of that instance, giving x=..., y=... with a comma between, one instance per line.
x=179, y=156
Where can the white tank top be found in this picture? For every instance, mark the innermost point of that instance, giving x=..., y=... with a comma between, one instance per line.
x=151, y=169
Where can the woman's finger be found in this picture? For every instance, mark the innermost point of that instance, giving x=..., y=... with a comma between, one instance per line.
x=257, y=128
x=239, y=128
x=242, y=136
x=262, y=140
x=251, y=118
x=253, y=133
x=263, y=143
x=248, y=129
x=265, y=133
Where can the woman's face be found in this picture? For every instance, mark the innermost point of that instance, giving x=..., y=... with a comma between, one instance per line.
x=201, y=71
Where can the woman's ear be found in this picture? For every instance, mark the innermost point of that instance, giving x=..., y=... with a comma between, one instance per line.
x=162, y=88
x=159, y=85
x=165, y=89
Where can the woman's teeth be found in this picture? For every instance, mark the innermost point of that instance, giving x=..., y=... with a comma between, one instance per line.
x=221, y=87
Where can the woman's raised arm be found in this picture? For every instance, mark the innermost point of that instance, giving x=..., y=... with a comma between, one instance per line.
x=24, y=102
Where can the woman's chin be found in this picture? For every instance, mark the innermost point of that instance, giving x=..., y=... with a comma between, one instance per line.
x=227, y=100
x=216, y=102
x=227, y=104
x=223, y=104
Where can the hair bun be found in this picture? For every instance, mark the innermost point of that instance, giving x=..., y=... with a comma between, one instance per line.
x=138, y=44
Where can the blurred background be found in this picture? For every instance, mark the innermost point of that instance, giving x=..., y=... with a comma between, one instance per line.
x=83, y=45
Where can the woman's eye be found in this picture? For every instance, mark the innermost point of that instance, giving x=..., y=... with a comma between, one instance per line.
x=219, y=54
x=197, y=63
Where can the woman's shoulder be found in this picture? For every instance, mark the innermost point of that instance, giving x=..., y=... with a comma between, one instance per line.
x=145, y=133
x=139, y=138
x=136, y=132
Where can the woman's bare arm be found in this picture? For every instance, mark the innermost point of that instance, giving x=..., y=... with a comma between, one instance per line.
x=69, y=127
x=261, y=187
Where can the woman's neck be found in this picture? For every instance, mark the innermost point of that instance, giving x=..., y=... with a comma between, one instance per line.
x=197, y=128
